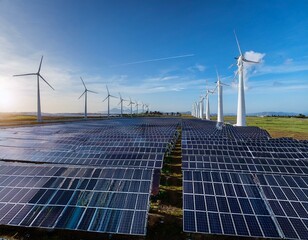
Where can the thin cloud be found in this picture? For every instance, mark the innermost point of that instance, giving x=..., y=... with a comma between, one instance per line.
x=197, y=68
x=154, y=60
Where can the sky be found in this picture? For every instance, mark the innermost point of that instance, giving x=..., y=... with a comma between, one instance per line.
x=159, y=52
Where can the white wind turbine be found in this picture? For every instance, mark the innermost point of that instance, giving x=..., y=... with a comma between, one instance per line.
x=201, y=106
x=121, y=102
x=137, y=104
x=197, y=112
x=241, y=109
x=108, y=97
x=38, y=74
x=219, y=87
x=207, y=108
x=131, y=103
x=143, y=105
x=147, y=107
x=85, y=93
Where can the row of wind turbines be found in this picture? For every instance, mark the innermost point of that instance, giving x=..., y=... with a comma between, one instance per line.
x=198, y=108
x=145, y=107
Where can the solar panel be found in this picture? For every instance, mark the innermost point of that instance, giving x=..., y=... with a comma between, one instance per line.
x=240, y=182
x=94, y=176
x=127, y=143
x=88, y=199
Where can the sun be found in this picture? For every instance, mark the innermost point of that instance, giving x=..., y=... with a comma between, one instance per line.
x=6, y=101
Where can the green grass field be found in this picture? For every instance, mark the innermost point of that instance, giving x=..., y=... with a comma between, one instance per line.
x=278, y=126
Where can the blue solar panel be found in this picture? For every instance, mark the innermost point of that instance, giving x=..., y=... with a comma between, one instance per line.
x=252, y=185
x=91, y=199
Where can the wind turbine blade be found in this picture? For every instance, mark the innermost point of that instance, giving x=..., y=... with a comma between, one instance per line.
x=82, y=94
x=27, y=74
x=231, y=66
x=217, y=73
x=249, y=61
x=92, y=91
x=107, y=89
x=225, y=84
x=113, y=96
x=83, y=83
x=40, y=65
x=238, y=44
x=46, y=82
x=105, y=99
x=235, y=75
x=120, y=96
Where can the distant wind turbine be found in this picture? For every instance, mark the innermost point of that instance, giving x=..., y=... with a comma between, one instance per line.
x=207, y=109
x=85, y=93
x=38, y=74
x=108, y=97
x=121, y=102
x=137, y=104
x=219, y=87
x=201, y=106
x=147, y=107
x=241, y=109
x=143, y=105
x=131, y=103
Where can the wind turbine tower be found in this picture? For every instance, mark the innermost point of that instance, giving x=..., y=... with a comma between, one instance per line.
x=241, y=109
x=207, y=109
x=38, y=74
x=201, y=106
x=137, y=104
x=219, y=87
x=108, y=97
x=85, y=93
x=131, y=103
x=121, y=102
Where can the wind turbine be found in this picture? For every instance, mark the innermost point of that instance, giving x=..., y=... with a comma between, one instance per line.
x=219, y=87
x=207, y=109
x=201, y=106
x=121, y=102
x=196, y=109
x=137, y=104
x=85, y=93
x=38, y=74
x=131, y=103
x=193, y=110
x=241, y=109
x=147, y=107
x=108, y=97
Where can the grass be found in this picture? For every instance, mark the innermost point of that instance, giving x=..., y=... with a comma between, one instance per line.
x=278, y=126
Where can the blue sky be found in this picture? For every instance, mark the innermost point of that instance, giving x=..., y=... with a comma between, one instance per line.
x=96, y=40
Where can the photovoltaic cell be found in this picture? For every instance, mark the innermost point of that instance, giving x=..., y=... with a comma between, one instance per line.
x=252, y=185
x=85, y=201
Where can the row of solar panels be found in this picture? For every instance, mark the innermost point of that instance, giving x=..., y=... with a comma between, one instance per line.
x=260, y=190
x=95, y=176
x=88, y=199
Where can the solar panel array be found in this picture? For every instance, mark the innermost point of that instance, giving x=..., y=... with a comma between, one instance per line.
x=86, y=199
x=93, y=176
x=238, y=181
x=128, y=143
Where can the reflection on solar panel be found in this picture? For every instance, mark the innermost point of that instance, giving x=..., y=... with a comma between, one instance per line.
x=128, y=143
x=238, y=181
x=88, y=199
x=94, y=176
